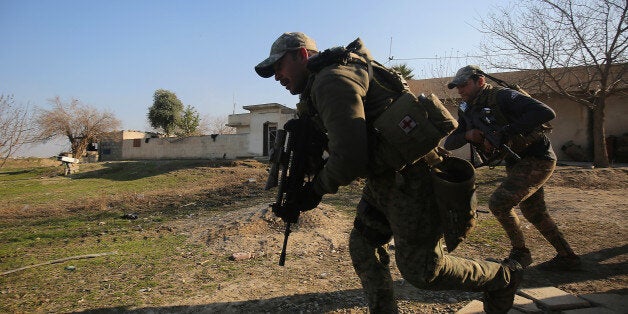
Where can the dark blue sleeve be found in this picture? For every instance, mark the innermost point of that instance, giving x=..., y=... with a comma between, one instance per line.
x=524, y=113
x=456, y=139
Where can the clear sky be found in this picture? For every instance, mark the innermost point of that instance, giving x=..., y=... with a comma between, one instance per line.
x=114, y=54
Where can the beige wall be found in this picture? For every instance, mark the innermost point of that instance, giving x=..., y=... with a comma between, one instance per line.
x=224, y=145
x=110, y=145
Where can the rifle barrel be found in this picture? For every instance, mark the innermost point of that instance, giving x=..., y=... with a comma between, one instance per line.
x=510, y=152
x=286, y=234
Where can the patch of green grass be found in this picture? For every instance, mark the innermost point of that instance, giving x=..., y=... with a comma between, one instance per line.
x=488, y=232
x=29, y=187
x=138, y=267
x=490, y=176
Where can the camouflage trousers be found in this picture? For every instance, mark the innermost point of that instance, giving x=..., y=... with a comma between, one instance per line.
x=524, y=186
x=403, y=207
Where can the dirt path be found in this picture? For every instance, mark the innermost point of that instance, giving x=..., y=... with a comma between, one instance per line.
x=589, y=206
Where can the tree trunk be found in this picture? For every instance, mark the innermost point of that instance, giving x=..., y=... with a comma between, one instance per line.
x=600, y=155
x=79, y=147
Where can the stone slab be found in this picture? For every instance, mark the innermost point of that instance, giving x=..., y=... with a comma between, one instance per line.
x=473, y=307
x=477, y=307
x=591, y=310
x=552, y=298
x=525, y=305
x=612, y=301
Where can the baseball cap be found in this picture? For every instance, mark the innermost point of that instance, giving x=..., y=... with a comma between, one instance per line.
x=464, y=74
x=283, y=44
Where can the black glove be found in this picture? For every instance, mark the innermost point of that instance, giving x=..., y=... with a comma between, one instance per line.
x=287, y=214
x=306, y=200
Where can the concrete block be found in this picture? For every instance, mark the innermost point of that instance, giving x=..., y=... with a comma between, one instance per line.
x=477, y=307
x=552, y=298
x=525, y=305
x=473, y=307
x=591, y=310
x=616, y=302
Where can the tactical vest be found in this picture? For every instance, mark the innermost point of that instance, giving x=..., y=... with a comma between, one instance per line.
x=405, y=128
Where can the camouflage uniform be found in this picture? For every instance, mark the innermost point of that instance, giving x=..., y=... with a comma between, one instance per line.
x=400, y=205
x=525, y=178
x=343, y=98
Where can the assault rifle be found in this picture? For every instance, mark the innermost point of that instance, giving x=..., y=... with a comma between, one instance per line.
x=295, y=157
x=485, y=121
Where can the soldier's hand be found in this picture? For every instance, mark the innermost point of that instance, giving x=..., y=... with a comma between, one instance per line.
x=307, y=199
x=488, y=147
x=287, y=214
x=474, y=136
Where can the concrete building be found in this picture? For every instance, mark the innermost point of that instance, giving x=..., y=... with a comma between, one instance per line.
x=260, y=125
x=255, y=133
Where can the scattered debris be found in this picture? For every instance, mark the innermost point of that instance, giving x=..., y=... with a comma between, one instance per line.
x=61, y=260
x=132, y=216
x=239, y=256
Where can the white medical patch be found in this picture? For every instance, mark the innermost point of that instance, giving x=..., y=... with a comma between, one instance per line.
x=407, y=124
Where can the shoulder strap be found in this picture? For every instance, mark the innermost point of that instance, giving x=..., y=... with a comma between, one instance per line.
x=504, y=83
x=495, y=108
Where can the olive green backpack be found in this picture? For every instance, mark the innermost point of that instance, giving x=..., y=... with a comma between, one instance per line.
x=410, y=128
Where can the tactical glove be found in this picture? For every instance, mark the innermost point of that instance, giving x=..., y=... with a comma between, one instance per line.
x=287, y=214
x=307, y=199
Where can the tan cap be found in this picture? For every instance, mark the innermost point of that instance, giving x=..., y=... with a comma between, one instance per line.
x=464, y=74
x=283, y=44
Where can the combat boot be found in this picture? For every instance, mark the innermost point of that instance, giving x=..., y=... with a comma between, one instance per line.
x=500, y=301
x=569, y=262
x=521, y=255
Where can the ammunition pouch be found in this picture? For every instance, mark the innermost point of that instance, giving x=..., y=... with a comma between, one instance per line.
x=519, y=142
x=409, y=129
x=454, y=189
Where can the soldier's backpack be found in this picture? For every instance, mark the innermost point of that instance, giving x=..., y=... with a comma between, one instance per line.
x=410, y=128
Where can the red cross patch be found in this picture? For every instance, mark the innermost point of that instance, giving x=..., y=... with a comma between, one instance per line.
x=407, y=124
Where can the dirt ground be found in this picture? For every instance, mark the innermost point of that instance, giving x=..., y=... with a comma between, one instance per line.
x=589, y=206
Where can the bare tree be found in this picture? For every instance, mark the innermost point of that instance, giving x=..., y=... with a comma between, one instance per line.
x=215, y=125
x=577, y=46
x=80, y=123
x=13, y=127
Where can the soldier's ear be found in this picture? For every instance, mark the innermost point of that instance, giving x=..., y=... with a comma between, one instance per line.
x=303, y=54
